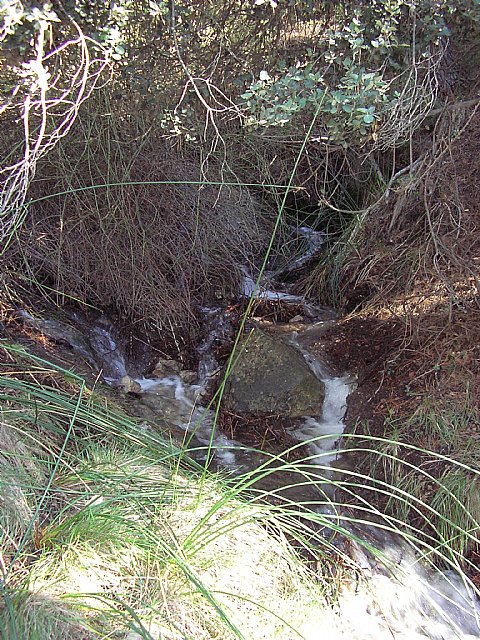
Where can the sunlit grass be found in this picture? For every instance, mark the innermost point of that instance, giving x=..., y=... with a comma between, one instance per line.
x=108, y=530
x=430, y=464
x=130, y=534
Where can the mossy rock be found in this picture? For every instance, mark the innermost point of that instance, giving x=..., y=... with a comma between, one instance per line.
x=272, y=377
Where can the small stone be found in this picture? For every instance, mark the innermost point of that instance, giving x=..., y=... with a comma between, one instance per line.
x=297, y=318
x=167, y=367
x=128, y=385
x=187, y=376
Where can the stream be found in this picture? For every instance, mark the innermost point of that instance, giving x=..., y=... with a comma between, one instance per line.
x=399, y=597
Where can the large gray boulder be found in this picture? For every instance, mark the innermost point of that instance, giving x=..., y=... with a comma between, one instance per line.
x=270, y=376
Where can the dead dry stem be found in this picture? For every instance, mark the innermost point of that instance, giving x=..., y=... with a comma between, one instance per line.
x=131, y=228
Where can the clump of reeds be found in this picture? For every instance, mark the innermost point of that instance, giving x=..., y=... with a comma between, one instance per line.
x=132, y=225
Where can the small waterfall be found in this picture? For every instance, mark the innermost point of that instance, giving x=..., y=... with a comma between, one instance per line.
x=107, y=353
x=396, y=595
x=323, y=433
x=219, y=330
x=326, y=430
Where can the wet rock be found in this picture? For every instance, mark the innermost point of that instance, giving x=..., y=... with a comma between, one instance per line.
x=127, y=385
x=188, y=376
x=58, y=331
x=270, y=376
x=108, y=355
x=167, y=367
x=163, y=403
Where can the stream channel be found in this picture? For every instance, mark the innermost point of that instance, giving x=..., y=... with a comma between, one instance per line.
x=411, y=600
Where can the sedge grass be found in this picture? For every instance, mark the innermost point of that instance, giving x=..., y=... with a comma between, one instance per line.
x=120, y=532
x=111, y=536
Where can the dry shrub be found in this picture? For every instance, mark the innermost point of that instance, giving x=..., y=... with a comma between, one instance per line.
x=416, y=250
x=149, y=251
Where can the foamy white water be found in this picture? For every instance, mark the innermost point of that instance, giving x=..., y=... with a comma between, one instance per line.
x=394, y=597
x=326, y=430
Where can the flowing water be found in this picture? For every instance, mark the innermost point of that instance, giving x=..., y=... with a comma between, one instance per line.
x=324, y=432
x=397, y=595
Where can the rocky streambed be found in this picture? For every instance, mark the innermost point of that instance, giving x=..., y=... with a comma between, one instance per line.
x=274, y=376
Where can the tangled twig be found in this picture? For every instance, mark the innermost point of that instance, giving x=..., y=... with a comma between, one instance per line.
x=47, y=109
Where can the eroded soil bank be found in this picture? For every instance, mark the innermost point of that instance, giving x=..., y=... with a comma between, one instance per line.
x=415, y=395
x=415, y=416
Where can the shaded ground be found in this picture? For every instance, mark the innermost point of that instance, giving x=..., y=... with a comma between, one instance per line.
x=422, y=392
x=416, y=383
x=361, y=347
